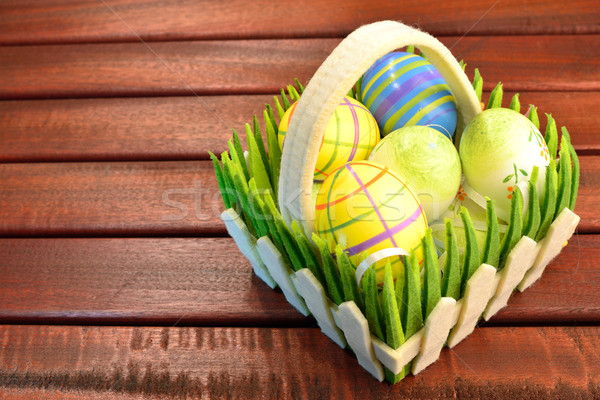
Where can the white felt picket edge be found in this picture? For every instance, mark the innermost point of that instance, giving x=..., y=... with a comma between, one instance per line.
x=319, y=305
x=559, y=233
x=281, y=273
x=356, y=329
x=450, y=319
x=518, y=261
x=238, y=230
x=437, y=327
x=477, y=294
x=396, y=359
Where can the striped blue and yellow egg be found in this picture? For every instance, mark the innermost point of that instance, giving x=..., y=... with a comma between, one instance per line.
x=364, y=207
x=403, y=89
x=351, y=134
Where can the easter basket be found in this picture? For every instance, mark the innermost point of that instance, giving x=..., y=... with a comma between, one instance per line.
x=396, y=321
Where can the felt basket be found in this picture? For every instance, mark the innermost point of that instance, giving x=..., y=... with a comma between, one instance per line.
x=269, y=213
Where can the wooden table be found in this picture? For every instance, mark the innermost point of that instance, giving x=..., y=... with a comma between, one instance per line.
x=117, y=278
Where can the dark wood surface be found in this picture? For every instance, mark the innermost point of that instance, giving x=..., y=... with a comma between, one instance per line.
x=248, y=363
x=117, y=278
x=43, y=21
x=264, y=66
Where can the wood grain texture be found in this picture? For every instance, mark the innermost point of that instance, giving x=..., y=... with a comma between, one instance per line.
x=154, y=128
x=535, y=63
x=551, y=362
x=208, y=282
x=26, y=22
x=203, y=281
x=145, y=198
x=180, y=128
x=151, y=198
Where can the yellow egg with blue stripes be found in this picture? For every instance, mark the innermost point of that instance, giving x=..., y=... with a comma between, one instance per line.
x=404, y=89
x=350, y=135
x=364, y=207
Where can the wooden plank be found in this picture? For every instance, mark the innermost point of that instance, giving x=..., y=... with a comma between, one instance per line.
x=107, y=199
x=150, y=198
x=135, y=281
x=179, y=128
x=562, y=63
x=207, y=281
x=549, y=363
x=78, y=21
x=155, y=128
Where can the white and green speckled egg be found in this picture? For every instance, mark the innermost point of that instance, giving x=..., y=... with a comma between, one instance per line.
x=498, y=150
x=427, y=160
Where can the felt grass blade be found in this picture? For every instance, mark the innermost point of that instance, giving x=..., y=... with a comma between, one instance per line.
x=285, y=102
x=279, y=108
x=462, y=64
x=260, y=141
x=221, y=181
x=332, y=276
x=496, y=97
x=412, y=315
x=257, y=167
x=289, y=243
x=491, y=248
x=294, y=95
x=431, y=278
x=549, y=203
x=237, y=145
x=576, y=170
x=551, y=136
x=451, y=278
x=564, y=177
x=272, y=213
x=349, y=285
x=258, y=209
x=274, y=156
x=478, y=84
x=299, y=85
x=372, y=306
x=271, y=118
x=241, y=190
x=532, y=220
x=533, y=116
x=394, y=335
x=229, y=185
x=308, y=252
x=515, y=225
x=472, y=260
x=515, y=104
x=240, y=163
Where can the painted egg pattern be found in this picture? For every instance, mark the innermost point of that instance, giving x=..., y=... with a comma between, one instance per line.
x=350, y=135
x=403, y=89
x=364, y=207
x=498, y=150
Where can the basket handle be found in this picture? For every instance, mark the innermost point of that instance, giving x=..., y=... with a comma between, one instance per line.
x=332, y=81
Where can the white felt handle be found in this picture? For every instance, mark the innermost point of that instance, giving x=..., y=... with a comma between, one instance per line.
x=332, y=81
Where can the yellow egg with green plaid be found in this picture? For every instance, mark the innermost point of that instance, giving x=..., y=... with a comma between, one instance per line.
x=364, y=207
x=350, y=135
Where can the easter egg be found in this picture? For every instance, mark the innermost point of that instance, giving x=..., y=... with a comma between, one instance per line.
x=427, y=160
x=498, y=150
x=403, y=89
x=351, y=134
x=365, y=207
